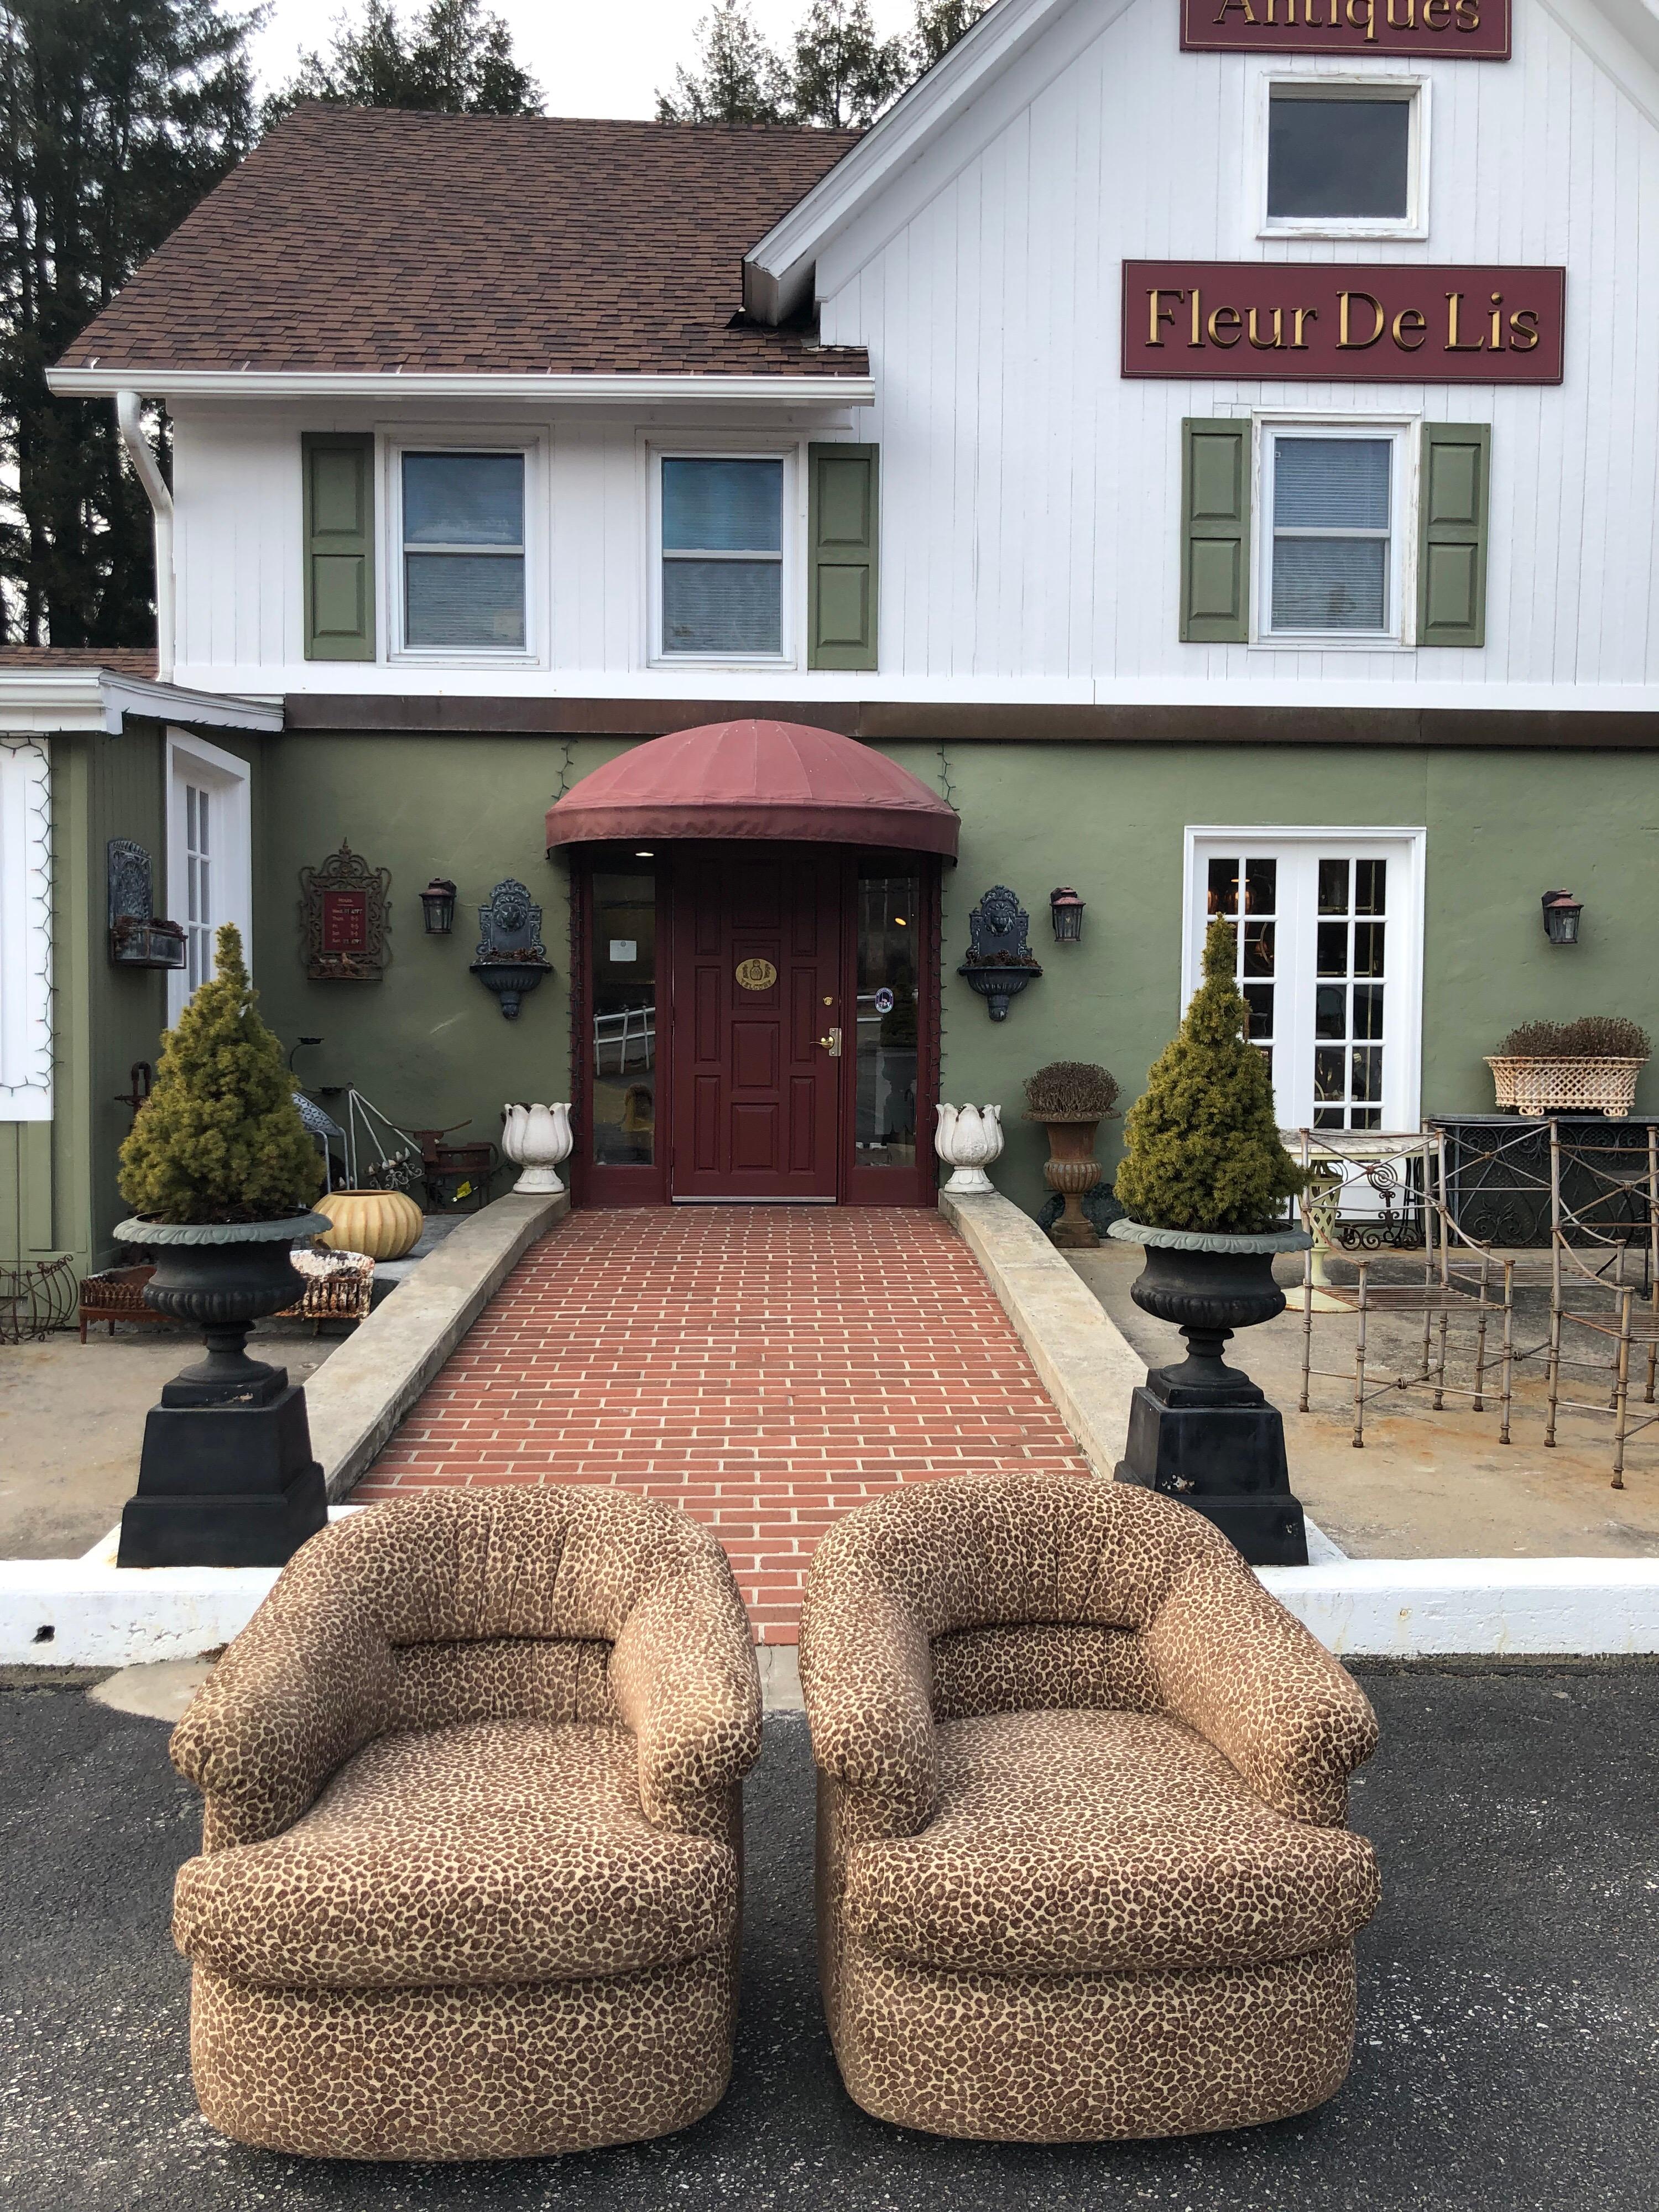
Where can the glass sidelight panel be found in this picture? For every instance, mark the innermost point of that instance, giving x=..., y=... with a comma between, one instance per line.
x=1256, y=955
x=622, y=993
x=1347, y=1010
x=884, y=1111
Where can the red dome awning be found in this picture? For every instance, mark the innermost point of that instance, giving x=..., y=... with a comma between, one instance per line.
x=754, y=780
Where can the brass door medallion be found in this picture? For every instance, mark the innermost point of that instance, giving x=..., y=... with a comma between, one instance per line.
x=755, y=975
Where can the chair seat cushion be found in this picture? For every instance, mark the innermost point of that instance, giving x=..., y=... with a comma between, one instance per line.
x=494, y=1852
x=1091, y=1842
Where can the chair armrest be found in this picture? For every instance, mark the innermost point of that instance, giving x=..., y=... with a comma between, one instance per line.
x=1236, y=1666
x=684, y=1679
x=298, y=1692
x=866, y=1676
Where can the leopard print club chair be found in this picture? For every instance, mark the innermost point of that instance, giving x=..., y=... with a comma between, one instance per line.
x=471, y=1852
x=1082, y=1866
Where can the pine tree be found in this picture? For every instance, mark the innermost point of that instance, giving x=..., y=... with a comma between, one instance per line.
x=736, y=80
x=454, y=59
x=1201, y=1147
x=219, y=1138
x=841, y=73
x=939, y=24
x=116, y=116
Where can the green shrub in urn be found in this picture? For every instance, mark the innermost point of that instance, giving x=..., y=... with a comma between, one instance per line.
x=1070, y=1088
x=1201, y=1148
x=220, y=1139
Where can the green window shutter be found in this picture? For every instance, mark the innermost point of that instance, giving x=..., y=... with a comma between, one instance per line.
x=842, y=506
x=1451, y=552
x=1215, y=532
x=339, y=528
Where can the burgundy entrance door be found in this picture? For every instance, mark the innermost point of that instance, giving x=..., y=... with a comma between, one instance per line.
x=757, y=1022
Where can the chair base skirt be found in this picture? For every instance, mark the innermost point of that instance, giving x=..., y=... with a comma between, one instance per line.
x=1093, y=2057
x=522, y=2071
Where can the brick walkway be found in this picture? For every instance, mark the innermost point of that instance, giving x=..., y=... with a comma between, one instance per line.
x=766, y=1367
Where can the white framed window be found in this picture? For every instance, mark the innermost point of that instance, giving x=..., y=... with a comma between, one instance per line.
x=463, y=564
x=1328, y=949
x=210, y=856
x=25, y=930
x=724, y=552
x=1343, y=157
x=1336, y=500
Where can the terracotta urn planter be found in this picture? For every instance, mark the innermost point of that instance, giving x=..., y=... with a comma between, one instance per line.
x=1072, y=1170
x=385, y=1224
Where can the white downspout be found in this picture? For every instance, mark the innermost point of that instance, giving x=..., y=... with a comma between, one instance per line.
x=127, y=404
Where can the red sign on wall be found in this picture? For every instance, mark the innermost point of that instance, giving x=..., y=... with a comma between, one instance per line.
x=1343, y=323
x=345, y=921
x=1456, y=30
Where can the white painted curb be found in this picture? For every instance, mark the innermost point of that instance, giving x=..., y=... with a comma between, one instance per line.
x=1489, y=1608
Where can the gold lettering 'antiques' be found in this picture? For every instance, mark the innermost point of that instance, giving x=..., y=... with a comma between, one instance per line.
x=755, y=975
x=1345, y=322
x=1453, y=30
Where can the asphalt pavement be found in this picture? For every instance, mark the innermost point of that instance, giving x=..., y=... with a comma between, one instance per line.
x=1508, y=2028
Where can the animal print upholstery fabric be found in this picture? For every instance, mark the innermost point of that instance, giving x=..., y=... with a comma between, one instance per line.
x=471, y=1875
x=1082, y=1866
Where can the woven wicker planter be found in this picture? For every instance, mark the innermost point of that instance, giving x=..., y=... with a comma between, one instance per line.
x=1537, y=1085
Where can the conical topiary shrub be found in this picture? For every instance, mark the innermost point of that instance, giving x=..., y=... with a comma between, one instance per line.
x=1201, y=1148
x=220, y=1139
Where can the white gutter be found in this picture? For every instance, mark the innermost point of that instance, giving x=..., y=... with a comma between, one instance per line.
x=127, y=403
x=826, y=391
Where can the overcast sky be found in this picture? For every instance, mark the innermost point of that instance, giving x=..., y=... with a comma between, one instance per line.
x=590, y=57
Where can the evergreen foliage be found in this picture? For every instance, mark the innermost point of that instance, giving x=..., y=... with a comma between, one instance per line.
x=838, y=71
x=116, y=117
x=219, y=1138
x=1201, y=1147
x=737, y=80
x=454, y=59
x=939, y=24
x=841, y=73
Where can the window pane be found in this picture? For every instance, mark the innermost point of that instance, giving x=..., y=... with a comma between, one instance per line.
x=473, y=602
x=1368, y=1010
x=722, y=506
x=1260, y=886
x=1223, y=887
x=1330, y=583
x=1337, y=157
x=1368, y=948
x=884, y=1101
x=1327, y=1117
x=464, y=499
x=1259, y=1009
x=624, y=1046
x=1258, y=948
x=1371, y=887
x=1333, y=887
x=1330, y=1073
x=1331, y=484
x=1365, y=1117
x=1333, y=948
x=1367, y=1073
x=1330, y=1011
x=722, y=606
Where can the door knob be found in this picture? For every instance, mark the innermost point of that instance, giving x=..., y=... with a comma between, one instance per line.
x=832, y=1043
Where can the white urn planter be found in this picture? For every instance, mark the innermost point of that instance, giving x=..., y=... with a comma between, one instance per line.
x=538, y=1139
x=968, y=1139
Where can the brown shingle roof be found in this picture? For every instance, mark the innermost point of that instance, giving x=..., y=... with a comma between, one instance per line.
x=119, y=659
x=370, y=239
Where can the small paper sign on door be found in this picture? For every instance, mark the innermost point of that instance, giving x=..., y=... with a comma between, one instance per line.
x=623, y=950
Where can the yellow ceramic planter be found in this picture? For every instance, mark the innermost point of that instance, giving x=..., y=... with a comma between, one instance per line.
x=384, y=1223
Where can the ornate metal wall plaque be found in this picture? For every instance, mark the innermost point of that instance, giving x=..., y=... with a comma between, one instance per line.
x=344, y=919
x=755, y=975
x=511, y=958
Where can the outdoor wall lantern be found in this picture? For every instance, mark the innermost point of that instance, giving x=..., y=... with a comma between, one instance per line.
x=438, y=906
x=1561, y=913
x=1066, y=911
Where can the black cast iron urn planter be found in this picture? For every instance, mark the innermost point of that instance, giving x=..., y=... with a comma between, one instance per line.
x=227, y=1478
x=1200, y=1431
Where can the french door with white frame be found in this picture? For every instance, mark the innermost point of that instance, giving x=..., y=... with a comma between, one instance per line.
x=209, y=862
x=1328, y=950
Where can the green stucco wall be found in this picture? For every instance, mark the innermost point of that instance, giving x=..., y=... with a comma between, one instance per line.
x=429, y=1046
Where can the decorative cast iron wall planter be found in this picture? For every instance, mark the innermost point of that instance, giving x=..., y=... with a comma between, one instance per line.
x=511, y=958
x=138, y=939
x=999, y=963
x=344, y=919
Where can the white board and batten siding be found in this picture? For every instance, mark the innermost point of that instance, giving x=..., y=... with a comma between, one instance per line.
x=1031, y=523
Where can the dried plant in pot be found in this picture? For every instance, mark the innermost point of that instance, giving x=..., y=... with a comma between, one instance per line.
x=1203, y=1181
x=1071, y=1098
x=1585, y=1066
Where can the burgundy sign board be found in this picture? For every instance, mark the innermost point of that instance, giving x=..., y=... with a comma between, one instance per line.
x=1364, y=322
x=1456, y=30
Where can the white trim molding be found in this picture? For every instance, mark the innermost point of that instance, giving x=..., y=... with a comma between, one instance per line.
x=1409, y=89
x=26, y=1030
x=396, y=444
x=829, y=390
x=227, y=779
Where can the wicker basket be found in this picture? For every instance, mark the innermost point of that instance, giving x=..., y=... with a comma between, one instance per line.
x=1535, y=1084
